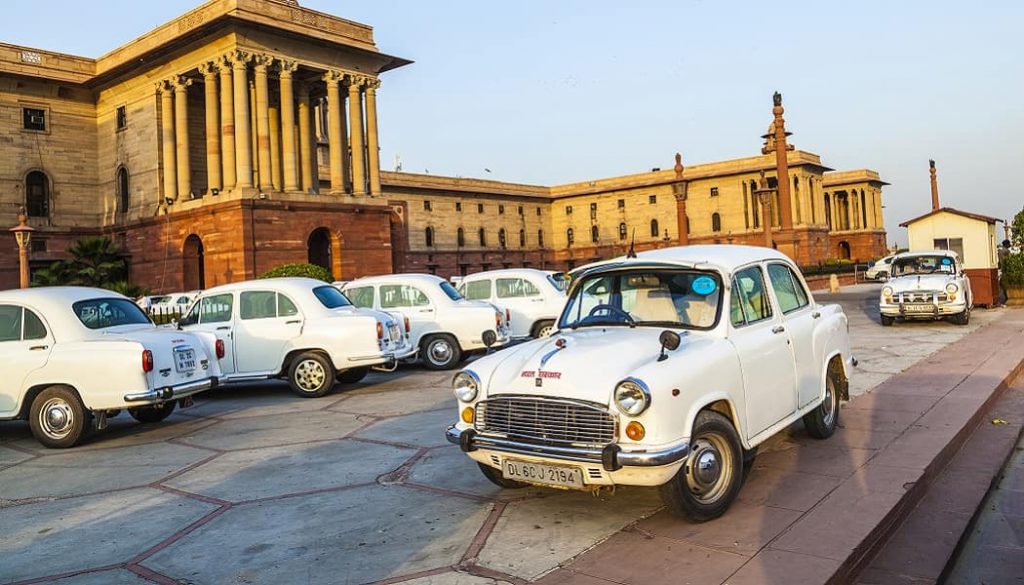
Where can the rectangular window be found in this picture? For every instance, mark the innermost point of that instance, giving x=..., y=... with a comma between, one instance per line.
x=538, y=211
x=34, y=118
x=426, y=205
x=216, y=309
x=952, y=244
x=458, y=206
x=652, y=199
x=361, y=297
x=478, y=290
x=714, y=191
x=400, y=295
x=122, y=117
x=258, y=304
x=593, y=211
x=479, y=207
x=622, y=203
x=520, y=210
x=501, y=210
x=38, y=244
x=750, y=302
x=516, y=287
x=568, y=209
x=788, y=290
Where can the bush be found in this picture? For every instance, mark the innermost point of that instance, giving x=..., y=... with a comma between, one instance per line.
x=303, y=270
x=1013, y=270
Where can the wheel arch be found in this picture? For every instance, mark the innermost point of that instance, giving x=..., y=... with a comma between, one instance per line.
x=723, y=405
x=295, y=352
x=835, y=363
x=35, y=390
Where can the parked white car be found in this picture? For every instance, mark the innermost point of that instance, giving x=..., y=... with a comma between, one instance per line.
x=300, y=329
x=668, y=370
x=533, y=298
x=444, y=326
x=880, y=269
x=147, y=303
x=74, y=356
x=928, y=286
x=178, y=300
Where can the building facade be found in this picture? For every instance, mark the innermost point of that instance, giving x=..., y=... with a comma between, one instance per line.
x=243, y=135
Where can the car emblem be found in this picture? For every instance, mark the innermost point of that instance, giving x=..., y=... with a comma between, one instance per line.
x=538, y=382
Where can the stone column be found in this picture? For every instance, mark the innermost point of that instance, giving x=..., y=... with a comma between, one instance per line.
x=213, y=169
x=263, y=123
x=243, y=140
x=181, y=135
x=372, y=147
x=291, y=169
x=305, y=140
x=355, y=115
x=275, y=147
x=679, y=191
x=167, y=139
x=335, y=132
x=227, y=124
x=254, y=145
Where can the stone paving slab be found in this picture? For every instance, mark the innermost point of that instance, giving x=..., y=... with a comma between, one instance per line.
x=423, y=429
x=396, y=402
x=275, y=430
x=123, y=431
x=445, y=469
x=112, y=577
x=454, y=578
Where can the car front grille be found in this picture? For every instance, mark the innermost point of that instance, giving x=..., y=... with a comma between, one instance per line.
x=923, y=296
x=546, y=420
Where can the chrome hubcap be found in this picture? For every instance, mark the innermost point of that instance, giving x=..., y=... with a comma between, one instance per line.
x=545, y=331
x=310, y=375
x=56, y=418
x=828, y=406
x=440, y=351
x=710, y=468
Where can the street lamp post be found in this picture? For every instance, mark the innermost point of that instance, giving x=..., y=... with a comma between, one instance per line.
x=764, y=195
x=23, y=235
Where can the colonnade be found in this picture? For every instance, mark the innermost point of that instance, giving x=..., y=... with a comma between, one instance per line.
x=854, y=210
x=259, y=127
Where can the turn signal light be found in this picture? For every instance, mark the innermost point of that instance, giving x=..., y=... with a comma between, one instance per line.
x=508, y=316
x=408, y=328
x=497, y=320
x=380, y=330
x=220, y=349
x=635, y=431
x=147, y=361
x=468, y=416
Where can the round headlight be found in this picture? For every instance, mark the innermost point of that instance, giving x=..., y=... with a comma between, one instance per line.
x=886, y=291
x=465, y=385
x=632, y=396
x=952, y=288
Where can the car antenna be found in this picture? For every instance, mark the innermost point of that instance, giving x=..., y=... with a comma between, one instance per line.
x=632, y=246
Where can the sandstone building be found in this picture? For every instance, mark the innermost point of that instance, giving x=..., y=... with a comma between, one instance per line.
x=243, y=135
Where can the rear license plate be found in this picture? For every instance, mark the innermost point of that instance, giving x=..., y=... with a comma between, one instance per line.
x=553, y=475
x=919, y=308
x=185, y=359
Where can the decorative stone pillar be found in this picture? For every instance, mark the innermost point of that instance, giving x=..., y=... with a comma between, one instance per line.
x=306, y=148
x=243, y=138
x=679, y=191
x=335, y=131
x=372, y=147
x=291, y=169
x=254, y=146
x=167, y=139
x=355, y=115
x=274, y=114
x=263, y=123
x=778, y=145
x=213, y=169
x=227, y=124
x=181, y=135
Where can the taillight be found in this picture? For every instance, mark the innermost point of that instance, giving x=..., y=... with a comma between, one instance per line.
x=220, y=349
x=497, y=320
x=408, y=327
x=380, y=330
x=147, y=361
x=508, y=316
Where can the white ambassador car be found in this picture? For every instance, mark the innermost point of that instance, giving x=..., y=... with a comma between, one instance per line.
x=927, y=286
x=444, y=326
x=74, y=356
x=667, y=369
x=880, y=269
x=300, y=329
x=533, y=298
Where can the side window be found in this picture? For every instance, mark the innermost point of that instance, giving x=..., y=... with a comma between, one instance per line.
x=478, y=290
x=285, y=306
x=215, y=309
x=10, y=323
x=400, y=295
x=750, y=302
x=34, y=328
x=516, y=287
x=258, y=304
x=361, y=296
x=788, y=290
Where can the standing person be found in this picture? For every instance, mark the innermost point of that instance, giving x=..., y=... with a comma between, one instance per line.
x=1002, y=252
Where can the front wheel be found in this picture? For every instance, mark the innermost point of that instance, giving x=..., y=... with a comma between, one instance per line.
x=962, y=318
x=441, y=352
x=57, y=418
x=311, y=375
x=152, y=414
x=708, y=482
x=495, y=477
x=887, y=320
x=823, y=420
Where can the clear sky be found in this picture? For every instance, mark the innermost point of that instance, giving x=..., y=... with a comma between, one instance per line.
x=552, y=92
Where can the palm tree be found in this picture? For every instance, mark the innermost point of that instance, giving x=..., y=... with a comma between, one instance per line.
x=95, y=261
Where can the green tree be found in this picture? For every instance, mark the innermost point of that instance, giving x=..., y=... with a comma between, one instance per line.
x=306, y=270
x=95, y=261
x=1017, y=229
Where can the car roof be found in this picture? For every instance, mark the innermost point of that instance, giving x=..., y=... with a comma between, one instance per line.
x=58, y=297
x=425, y=279
x=725, y=257
x=287, y=284
x=508, y=272
x=949, y=253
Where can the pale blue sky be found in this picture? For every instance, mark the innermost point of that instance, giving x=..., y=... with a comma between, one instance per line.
x=552, y=92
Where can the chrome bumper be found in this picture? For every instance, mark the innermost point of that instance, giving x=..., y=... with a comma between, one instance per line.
x=172, y=392
x=613, y=457
x=938, y=310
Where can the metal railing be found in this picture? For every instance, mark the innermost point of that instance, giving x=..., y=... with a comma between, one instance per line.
x=163, y=315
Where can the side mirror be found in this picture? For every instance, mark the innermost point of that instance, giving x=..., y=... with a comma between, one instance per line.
x=489, y=338
x=669, y=341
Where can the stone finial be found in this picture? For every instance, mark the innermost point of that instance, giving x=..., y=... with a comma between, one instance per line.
x=679, y=166
x=777, y=99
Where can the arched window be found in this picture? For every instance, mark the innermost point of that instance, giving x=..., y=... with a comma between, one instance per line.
x=501, y=239
x=123, y=192
x=460, y=237
x=428, y=237
x=319, y=248
x=654, y=228
x=844, y=250
x=594, y=234
x=37, y=194
x=193, y=269
x=716, y=222
x=570, y=236
x=483, y=238
x=522, y=237
x=622, y=231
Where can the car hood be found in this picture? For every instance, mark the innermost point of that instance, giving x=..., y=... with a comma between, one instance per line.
x=588, y=367
x=924, y=282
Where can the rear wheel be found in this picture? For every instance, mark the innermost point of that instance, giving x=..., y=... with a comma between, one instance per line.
x=822, y=421
x=440, y=352
x=152, y=414
x=708, y=482
x=352, y=376
x=311, y=375
x=542, y=329
x=495, y=477
x=57, y=417
x=887, y=320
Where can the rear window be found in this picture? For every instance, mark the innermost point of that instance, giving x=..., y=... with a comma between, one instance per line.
x=103, y=313
x=477, y=290
x=450, y=291
x=331, y=297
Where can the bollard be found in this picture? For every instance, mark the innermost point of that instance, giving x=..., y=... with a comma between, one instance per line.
x=833, y=283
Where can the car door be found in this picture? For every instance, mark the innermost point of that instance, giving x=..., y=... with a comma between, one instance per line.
x=267, y=321
x=412, y=302
x=25, y=346
x=764, y=351
x=215, y=314
x=523, y=300
x=800, y=317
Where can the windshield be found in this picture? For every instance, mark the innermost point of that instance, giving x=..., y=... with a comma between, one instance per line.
x=665, y=298
x=922, y=265
x=103, y=313
x=331, y=297
x=559, y=281
x=450, y=291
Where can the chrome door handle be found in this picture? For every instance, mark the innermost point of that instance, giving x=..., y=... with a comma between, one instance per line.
x=778, y=329
x=223, y=329
x=426, y=310
x=816, y=314
x=38, y=347
x=293, y=321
